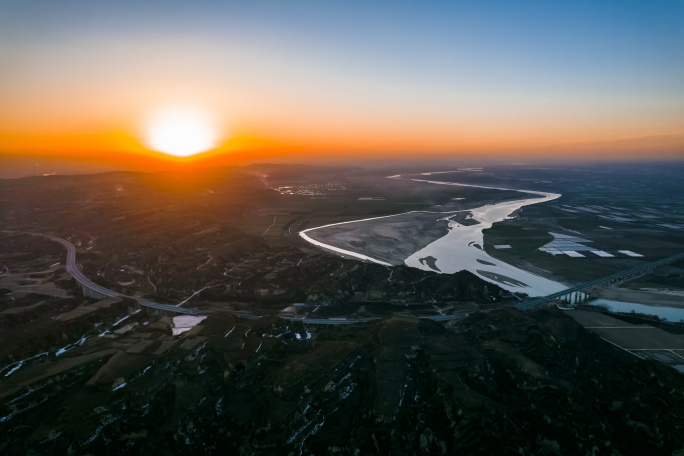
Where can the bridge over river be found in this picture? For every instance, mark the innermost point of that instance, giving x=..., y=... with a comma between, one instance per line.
x=93, y=290
x=582, y=291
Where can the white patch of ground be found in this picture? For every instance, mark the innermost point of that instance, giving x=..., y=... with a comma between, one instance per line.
x=572, y=253
x=184, y=323
x=601, y=253
x=562, y=243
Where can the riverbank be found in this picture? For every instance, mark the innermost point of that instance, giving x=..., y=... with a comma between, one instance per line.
x=650, y=298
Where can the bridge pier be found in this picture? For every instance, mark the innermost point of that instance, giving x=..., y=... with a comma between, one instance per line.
x=90, y=293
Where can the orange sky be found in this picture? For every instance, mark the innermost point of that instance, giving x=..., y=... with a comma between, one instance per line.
x=566, y=80
x=126, y=151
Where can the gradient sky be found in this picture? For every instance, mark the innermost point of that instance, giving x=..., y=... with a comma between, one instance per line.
x=348, y=79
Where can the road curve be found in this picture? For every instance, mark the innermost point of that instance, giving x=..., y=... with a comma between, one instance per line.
x=72, y=268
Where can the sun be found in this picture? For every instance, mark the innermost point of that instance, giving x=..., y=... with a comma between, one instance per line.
x=181, y=131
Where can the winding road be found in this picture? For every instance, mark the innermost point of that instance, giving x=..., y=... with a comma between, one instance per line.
x=72, y=268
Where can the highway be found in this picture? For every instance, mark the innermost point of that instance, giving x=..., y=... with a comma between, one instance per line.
x=328, y=321
x=618, y=276
x=86, y=283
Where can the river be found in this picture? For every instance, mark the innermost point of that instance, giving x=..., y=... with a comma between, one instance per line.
x=462, y=246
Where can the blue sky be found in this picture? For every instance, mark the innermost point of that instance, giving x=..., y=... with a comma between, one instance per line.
x=573, y=70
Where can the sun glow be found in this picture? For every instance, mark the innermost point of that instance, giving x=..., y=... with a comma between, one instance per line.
x=181, y=131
